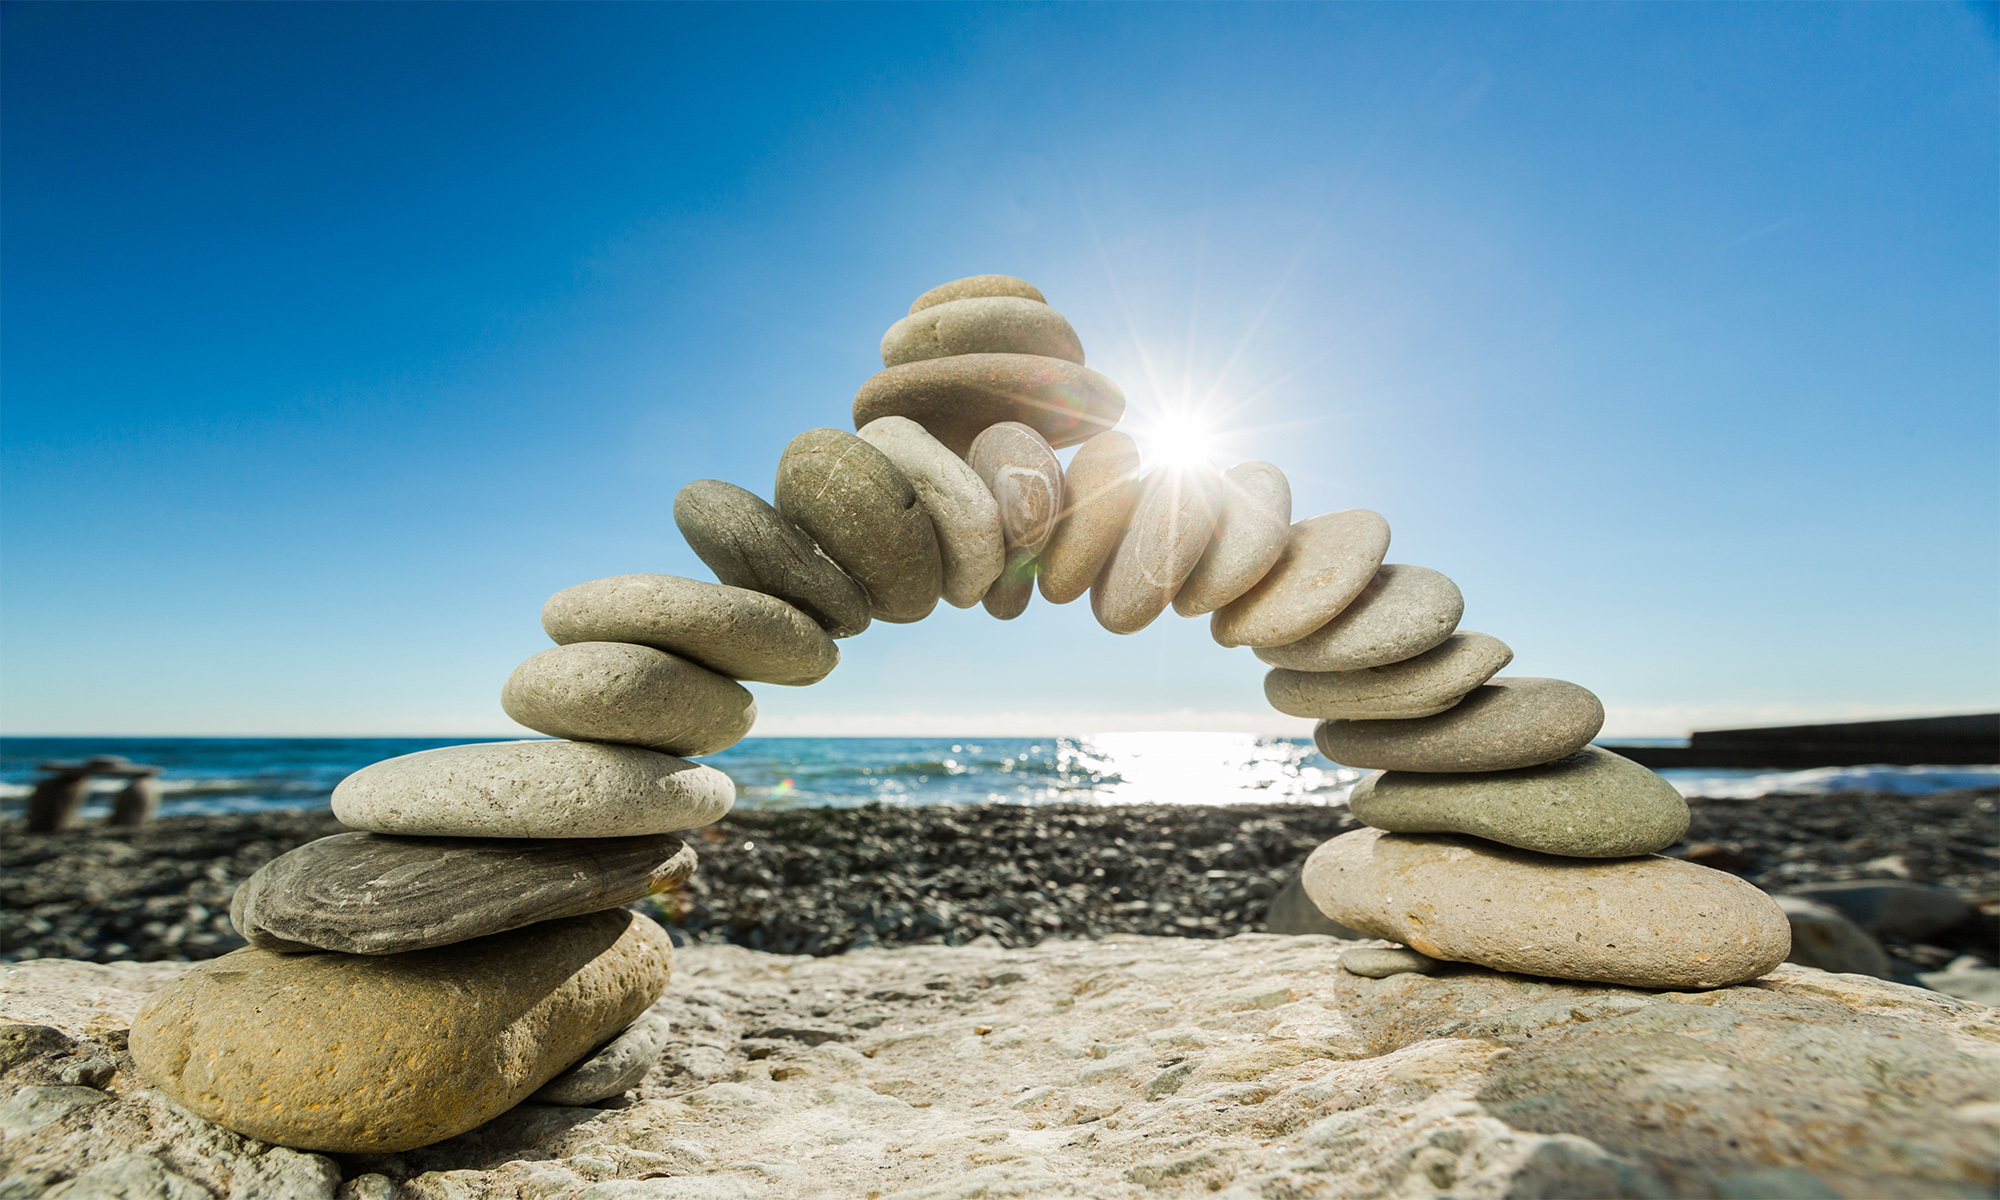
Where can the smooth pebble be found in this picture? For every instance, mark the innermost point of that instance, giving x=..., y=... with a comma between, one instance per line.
x=732, y=631
x=749, y=544
x=1403, y=612
x=1380, y=962
x=1327, y=562
x=981, y=325
x=957, y=397
x=1250, y=533
x=1169, y=529
x=865, y=514
x=1099, y=490
x=977, y=285
x=613, y=1068
x=630, y=695
x=1504, y=725
x=966, y=516
x=1422, y=686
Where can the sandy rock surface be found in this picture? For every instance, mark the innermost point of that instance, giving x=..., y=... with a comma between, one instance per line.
x=1138, y=1067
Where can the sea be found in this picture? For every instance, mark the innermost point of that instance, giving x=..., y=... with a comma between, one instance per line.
x=221, y=775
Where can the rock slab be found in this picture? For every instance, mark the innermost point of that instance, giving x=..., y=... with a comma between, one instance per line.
x=1592, y=804
x=732, y=631
x=532, y=790
x=1641, y=922
x=381, y=1054
x=749, y=544
x=368, y=893
x=1504, y=725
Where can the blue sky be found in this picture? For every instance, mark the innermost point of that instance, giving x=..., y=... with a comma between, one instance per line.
x=333, y=339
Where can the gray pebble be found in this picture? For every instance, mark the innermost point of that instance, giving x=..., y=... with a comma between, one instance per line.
x=1403, y=612
x=630, y=695
x=863, y=512
x=1326, y=564
x=749, y=544
x=732, y=631
x=966, y=516
x=981, y=325
x=1507, y=724
x=1380, y=962
x=1169, y=529
x=1099, y=490
x=957, y=397
x=1422, y=686
x=613, y=1068
x=977, y=285
x=1251, y=532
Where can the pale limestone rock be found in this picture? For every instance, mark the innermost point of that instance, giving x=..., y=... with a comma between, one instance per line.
x=981, y=325
x=967, y=518
x=733, y=631
x=1506, y=724
x=1326, y=564
x=629, y=695
x=1403, y=612
x=1422, y=686
x=1164, y=539
x=1251, y=531
x=1099, y=490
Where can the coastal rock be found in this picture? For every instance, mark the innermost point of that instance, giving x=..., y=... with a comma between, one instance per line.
x=367, y=893
x=1593, y=804
x=630, y=695
x=1506, y=724
x=359, y=1054
x=1403, y=612
x=1968, y=978
x=954, y=398
x=1422, y=686
x=1164, y=539
x=1896, y=908
x=967, y=518
x=853, y=501
x=613, y=1068
x=732, y=631
x=1251, y=531
x=1099, y=490
x=1642, y=922
x=1326, y=564
x=977, y=285
x=1823, y=938
x=1380, y=962
x=981, y=325
x=749, y=544
x=532, y=790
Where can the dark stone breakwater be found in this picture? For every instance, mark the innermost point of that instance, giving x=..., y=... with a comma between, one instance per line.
x=820, y=881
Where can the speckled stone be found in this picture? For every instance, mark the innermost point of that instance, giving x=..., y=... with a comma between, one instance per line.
x=1592, y=804
x=359, y=1054
x=1422, y=686
x=1099, y=490
x=368, y=893
x=865, y=514
x=1403, y=612
x=532, y=790
x=732, y=631
x=981, y=325
x=1642, y=922
x=977, y=285
x=966, y=516
x=1250, y=535
x=613, y=1068
x=749, y=544
x=1380, y=962
x=1327, y=563
x=954, y=398
x=630, y=695
x=1169, y=529
x=1507, y=724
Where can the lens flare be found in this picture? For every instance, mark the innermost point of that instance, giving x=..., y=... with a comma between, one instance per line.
x=1177, y=439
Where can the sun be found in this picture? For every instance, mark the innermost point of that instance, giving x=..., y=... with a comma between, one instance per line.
x=1176, y=440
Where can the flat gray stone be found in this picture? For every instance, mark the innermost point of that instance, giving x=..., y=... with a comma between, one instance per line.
x=1823, y=938
x=1642, y=922
x=977, y=285
x=957, y=397
x=630, y=695
x=1507, y=724
x=864, y=513
x=369, y=893
x=533, y=790
x=613, y=1068
x=1326, y=564
x=1422, y=686
x=749, y=544
x=1099, y=490
x=966, y=516
x=981, y=325
x=1169, y=529
x=1380, y=962
x=1592, y=804
x=732, y=631
x=1251, y=533
x=1403, y=612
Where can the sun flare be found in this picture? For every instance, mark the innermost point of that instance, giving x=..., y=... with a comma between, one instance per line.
x=1177, y=439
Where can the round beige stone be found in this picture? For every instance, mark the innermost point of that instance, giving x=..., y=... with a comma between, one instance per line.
x=1592, y=804
x=977, y=285
x=1020, y=468
x=1170, y=527
x=966, y=516
x=630, y=695
x=957, y=397
x=1099, y=490
x=749, y=544
x=1403, y=612
x=1325, y=565
x=864, y=513
x=730, y=630
x=981, y=325
x=1250, y=534
x=532, y=790
x=1639, y=922
x=1503, y=726
x=378, y=1054
x=1417, y=687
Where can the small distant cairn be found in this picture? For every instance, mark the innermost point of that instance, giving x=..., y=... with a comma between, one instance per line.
x=468, y=946
x=58, y=799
